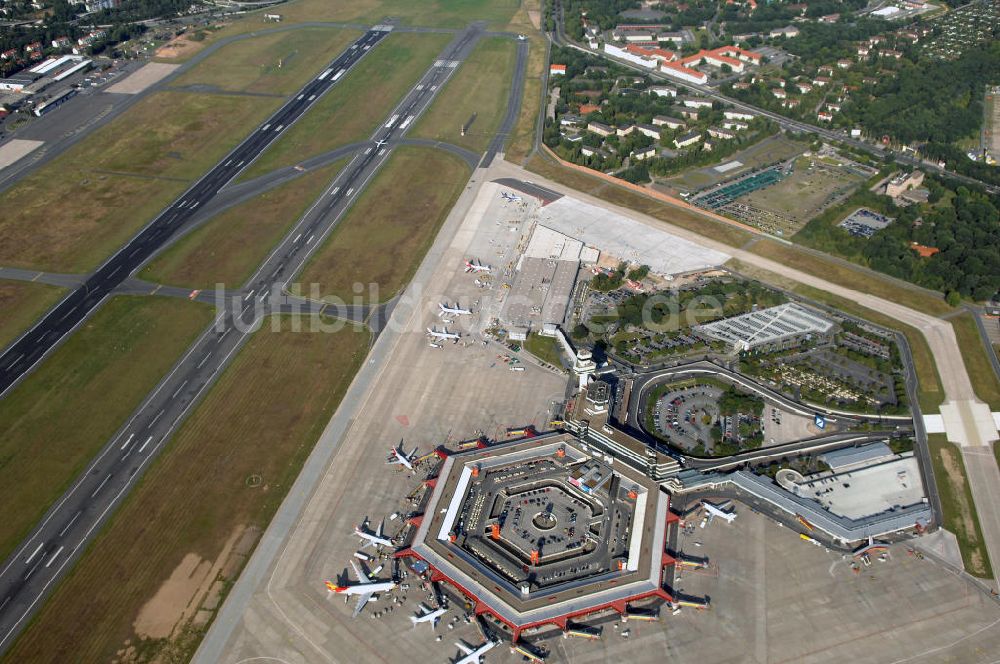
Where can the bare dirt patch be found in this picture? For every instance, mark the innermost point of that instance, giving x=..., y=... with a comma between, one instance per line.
x=180, y=595
x=179, y=47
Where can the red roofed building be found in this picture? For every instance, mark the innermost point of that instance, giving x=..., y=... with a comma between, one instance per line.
x=557, y=70
x=924, y=251
x=661, y=54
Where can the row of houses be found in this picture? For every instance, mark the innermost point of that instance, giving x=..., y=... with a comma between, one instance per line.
x=670, y=63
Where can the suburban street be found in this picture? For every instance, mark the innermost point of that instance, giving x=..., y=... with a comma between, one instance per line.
x=49, y=551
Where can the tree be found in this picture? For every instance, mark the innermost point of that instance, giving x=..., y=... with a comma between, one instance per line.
x=953, y=298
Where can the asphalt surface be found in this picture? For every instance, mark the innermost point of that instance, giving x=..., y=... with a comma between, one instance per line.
x=513, y=106
x=18, y=359
x=48, y=552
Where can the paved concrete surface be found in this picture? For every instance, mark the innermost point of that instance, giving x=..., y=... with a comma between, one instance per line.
x=967, y=419
x=138, y=81
x=407, y=390
x=15, y=149
x=30, y=572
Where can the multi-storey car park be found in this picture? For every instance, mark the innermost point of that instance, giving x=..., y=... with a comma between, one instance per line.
x=545, y=530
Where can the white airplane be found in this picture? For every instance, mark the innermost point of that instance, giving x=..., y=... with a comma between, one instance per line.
x=473, y=655
x=715, y=511
x=426, y=615
x=402, y=458
x=372, y=539
x=380, y=143
x=445, y=335
x=512, y=198
x=365, y=589
x=456, y=310
x=476, y=266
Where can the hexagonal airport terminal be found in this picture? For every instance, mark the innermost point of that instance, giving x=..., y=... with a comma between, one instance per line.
x=542, y=530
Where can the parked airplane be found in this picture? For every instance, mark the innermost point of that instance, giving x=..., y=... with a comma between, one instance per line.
x=715, y=511
x=402, y=458
x=371, y=539
x=444, y=335
x=426, y=615
x=456, y=310
x=476, y=266
x=513, y=198
x=365, y=589
x=473, y=655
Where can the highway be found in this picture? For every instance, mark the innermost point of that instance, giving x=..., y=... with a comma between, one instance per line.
x=28, y=575
x=21, y=356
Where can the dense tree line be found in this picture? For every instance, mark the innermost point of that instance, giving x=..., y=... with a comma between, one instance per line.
x=933, y=100
x=965, y=229
x=140, y=10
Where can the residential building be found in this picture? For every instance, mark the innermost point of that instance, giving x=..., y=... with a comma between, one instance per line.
x=663, y=91
x=669, y=122
x=687, y=139
x=788, y=32
x=648, y=130
x=557, y=70
x=600, y=128
x=723, y=134
x=644, y=153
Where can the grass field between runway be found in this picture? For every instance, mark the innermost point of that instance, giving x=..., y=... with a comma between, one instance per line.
x=358, y=103
x=480, y=87
x=181, y=538
x=278, y=63
x=383, y=237
x=72, y=213
x=960, y=515
x=22, y=303
x=974, y=353
x=55, y=421
x=229, y=247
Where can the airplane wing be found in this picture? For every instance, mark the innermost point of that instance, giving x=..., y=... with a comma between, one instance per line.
x=464, y=648
x=362, y=601
x=362, y=578
x=378, y=533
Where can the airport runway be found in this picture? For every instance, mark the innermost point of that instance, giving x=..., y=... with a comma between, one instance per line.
x=24, y=354
x=49, y=551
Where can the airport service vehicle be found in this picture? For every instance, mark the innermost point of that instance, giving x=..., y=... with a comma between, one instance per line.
x=365, y=589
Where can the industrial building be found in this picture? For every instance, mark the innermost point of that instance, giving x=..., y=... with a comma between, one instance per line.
x=767, y=327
